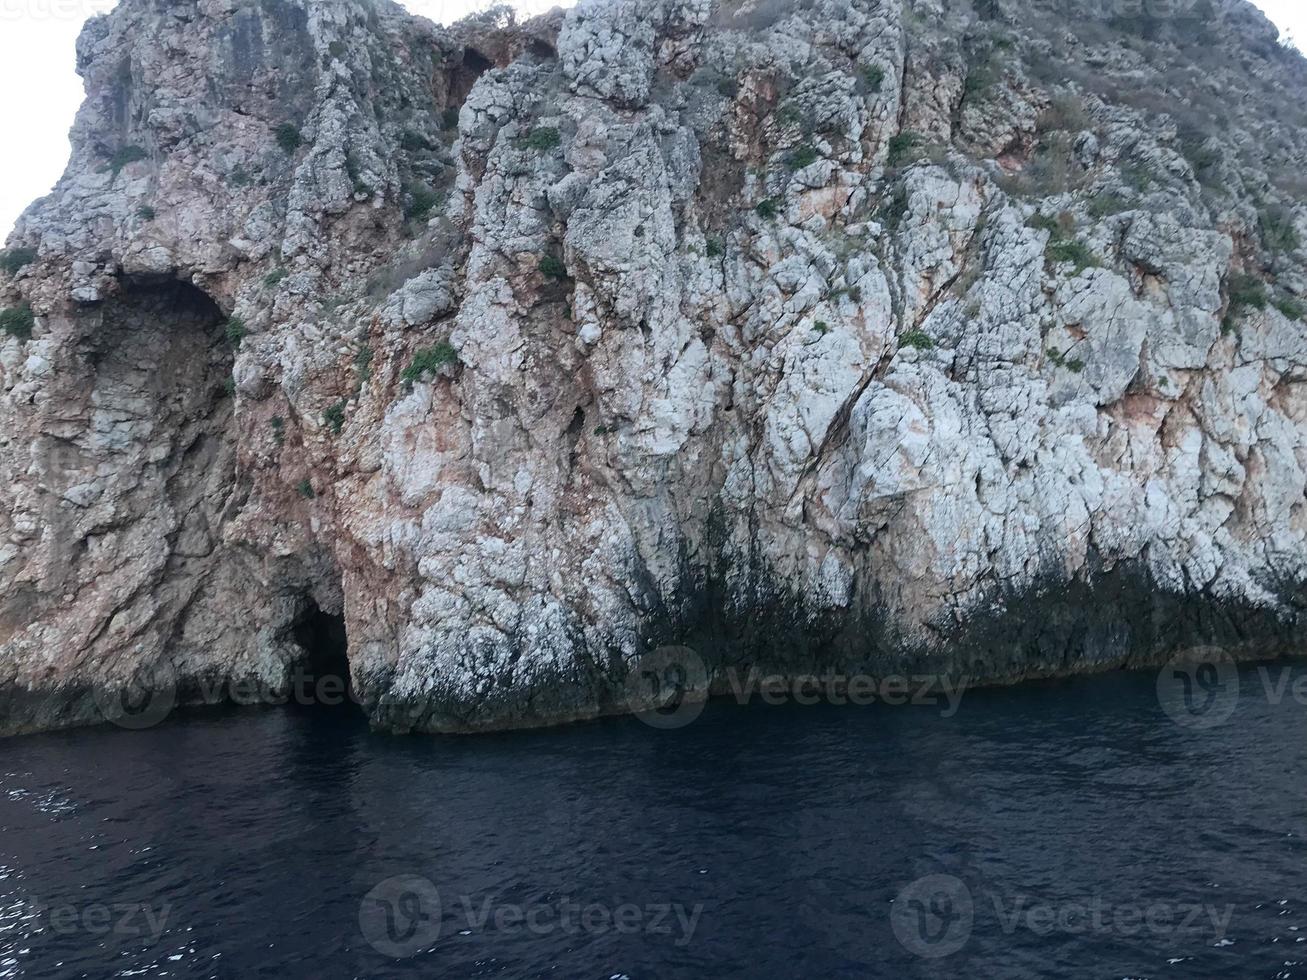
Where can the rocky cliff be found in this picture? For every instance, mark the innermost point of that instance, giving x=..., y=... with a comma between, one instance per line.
x=860, y=335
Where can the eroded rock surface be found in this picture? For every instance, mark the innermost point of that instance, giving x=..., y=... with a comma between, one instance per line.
x=838, y=334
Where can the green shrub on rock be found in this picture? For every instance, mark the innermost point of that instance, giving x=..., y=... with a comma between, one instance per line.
x=429, y=360
x=289, y=138
x=13, y=259
x=553, y=267
x=542, y=139
x=18, y=321
x=334, y=416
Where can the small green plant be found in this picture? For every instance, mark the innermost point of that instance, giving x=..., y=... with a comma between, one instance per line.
x=235, y=331
x=714, y=248
x=1291, y=308
x=1106, y=205
x=894, y=210
x=901, y=147
x=239, y=177
x=1138, y=177
x=1075, y=252
x=1197, y=148
x=355, y=171
x=278, y=430
x=1043, y=222
x=1064, y=112
x=917, y=339
x=1074, y=365
x=1278, y=231
x=803, y=156
x=336, y=49
x=874, y=76
x=728, y=87
x=289, y=138
x=275, y=278
x=601, y=430
x=449, y=118
x=306, y=489
x=229, y=386
x=18, y=321
x=822, y=328
x=363, y=363
x=768, y=209
x=414, y=142
x=543, y=139
x=124, y=156
x=789, y=115
x=1247, y=292
x=553, y=267
x=13, y=259
x=146, y=213
x=334, y=416
x=429, y=359
x=422, y=201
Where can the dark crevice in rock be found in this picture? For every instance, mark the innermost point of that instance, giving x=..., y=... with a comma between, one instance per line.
x=474, y=65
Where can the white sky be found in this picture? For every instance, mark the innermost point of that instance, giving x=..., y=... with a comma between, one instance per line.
x=42, y=90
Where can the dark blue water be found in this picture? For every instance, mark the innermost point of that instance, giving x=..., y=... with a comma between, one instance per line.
x=1046, y=831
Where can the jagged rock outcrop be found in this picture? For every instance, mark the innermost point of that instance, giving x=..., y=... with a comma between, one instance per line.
x=838, y=334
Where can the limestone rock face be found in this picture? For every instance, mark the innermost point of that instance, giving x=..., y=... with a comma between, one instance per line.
x=840, y=334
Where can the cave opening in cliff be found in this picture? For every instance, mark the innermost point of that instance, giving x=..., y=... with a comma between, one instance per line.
x=320, y=679
x=474, y=65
